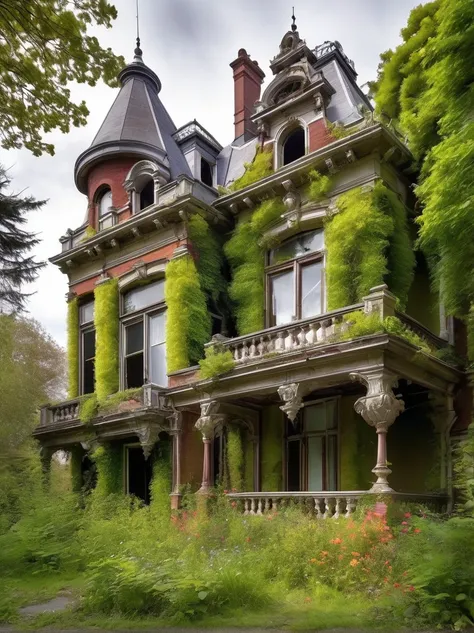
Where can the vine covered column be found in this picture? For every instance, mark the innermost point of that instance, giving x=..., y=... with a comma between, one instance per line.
x=207, y=423
x=176, y=428
x=379, y=408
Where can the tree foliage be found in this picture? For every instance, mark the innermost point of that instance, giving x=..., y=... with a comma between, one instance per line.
x=44, y=46
x=427, y=85
x=17, y=266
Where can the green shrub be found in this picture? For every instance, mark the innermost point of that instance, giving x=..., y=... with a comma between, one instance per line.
x=260, y=167
x=188, y=320
x=111, y=402
x=106, y=321
x=109, y=462
x=319, y=185
x=160, y=487
x=367, y=244
x=73, y=347
x=217, y=361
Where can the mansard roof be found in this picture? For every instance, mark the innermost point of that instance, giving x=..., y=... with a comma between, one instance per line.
x=137, y=124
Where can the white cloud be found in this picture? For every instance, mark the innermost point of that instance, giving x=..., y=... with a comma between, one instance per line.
x=189, y=44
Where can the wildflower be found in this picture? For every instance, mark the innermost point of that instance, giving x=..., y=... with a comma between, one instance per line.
x=355, y=554
x=324, y=553
x=354, y=562
x=387, y=562
x=340, y=556
x=405, y=573
x=313, y=560
x=407, y=515
x=411, y=588
x=404, y=531
x=396, y=585
x=233, y=504
x=417, y=530
x=226, y=491
x=307, y=599
x=336, y=541
x=404, y=523
x=248, y=539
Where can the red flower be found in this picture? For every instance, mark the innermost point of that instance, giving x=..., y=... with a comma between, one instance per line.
x=336, y=541
x=233, y=504
x=411, y=588
x=417, y=530
x=404, y=531
x=407, y=515
x=396, y=585
x=247, y=539
x=404, y=523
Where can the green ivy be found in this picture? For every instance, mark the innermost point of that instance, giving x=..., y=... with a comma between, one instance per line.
x=73, y=347
x=319, y=185
x=367, y=237
x=217, y=361
x=113, y=401
x=246, y=254
x=160, y=486
x=260, y=167
x=109, y=461
x=106, y=321
x=235, y=457
x=208, y=253
x=188, y=320
x=88, y=408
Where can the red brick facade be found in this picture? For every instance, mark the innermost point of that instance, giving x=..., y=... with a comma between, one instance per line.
x=319, y=134
x=111, y=173
x=248, y=78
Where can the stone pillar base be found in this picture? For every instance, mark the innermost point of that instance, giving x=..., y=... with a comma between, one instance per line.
x=175, y=499
x=381, y=488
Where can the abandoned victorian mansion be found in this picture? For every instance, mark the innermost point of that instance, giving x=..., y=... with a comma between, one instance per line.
x=256, y=316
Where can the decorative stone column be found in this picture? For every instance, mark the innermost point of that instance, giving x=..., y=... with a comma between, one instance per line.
x=207, y=423
x=175, y=420
x=379, y=408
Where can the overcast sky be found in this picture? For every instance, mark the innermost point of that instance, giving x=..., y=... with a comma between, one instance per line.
x=189, y=44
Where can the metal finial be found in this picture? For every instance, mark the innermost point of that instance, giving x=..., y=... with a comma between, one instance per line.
x=293, y=26
x=138, y=51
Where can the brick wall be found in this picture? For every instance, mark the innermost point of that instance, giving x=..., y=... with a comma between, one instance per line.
x=319, y=135
x=111, y=173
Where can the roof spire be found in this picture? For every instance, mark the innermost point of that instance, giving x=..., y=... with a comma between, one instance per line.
x=293, y=26
x=138, y=51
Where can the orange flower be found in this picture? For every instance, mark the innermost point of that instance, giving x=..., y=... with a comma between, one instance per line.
x=354, y=562
x=396, y=585
x=324, y=553
x=340, y=557
x=313, y=560
x=233, y=504
x=417, y=530
x=336, y=541
x=355, y=554
x=307, y=599
x=247, y=539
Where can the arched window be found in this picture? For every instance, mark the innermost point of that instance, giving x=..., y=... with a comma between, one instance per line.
x=295, y=278
x=104, y=202
x=206, y=172
x=147, y=194
x=294, y=146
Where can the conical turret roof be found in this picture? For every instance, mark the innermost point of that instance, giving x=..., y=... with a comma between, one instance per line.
x=137, y=124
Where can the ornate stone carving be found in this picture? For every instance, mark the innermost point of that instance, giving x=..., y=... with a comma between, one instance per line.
x=292, y=399
x=148, y=436
x=209, y=419
x=379, y=408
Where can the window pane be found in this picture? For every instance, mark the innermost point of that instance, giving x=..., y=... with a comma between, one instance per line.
x=134, y=338
x=293, y=466
x=311, y=290
x=105, y=203
x=157, y=328
x=134, y=371
x=298, y=246
x=88, y=344
x=88, y=377
x=283, y=294
x=315, y=463
x=315, y=417
x=139, y=298
x=331, y=414
x=332, y=462
x=86, y=313
x=158, y=365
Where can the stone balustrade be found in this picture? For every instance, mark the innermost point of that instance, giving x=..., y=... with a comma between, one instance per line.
x=290, y=337
x=435, y=342
x=323, y=505
x=62, y=412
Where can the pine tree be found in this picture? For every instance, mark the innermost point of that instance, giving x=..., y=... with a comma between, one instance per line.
x=17, y=265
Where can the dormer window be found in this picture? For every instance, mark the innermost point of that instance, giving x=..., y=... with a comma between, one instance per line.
x=105, y=210
x=147, y=194
x=294, y=146
x=206, y=172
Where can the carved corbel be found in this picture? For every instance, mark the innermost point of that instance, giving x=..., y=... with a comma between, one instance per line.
x=148, y=436
x=160, y=224
x=114, y=243
x=332, y=168
x=184, y=215
x=351, y=157
x=136, y=231
x=209, y=419
x=290, y=394
x=292, y=202
x=90, y=445
x=248, y=203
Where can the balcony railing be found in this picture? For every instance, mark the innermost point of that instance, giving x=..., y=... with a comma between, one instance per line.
x=323, y=505
x=61, y=412
x=326, y=504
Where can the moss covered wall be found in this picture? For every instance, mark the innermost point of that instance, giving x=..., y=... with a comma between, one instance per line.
x=423, y=303
x=271, y=449
x=110, y=468
x=249, y=448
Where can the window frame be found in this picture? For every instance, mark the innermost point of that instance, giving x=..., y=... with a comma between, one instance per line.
x=85, y=328
x=141, y=315
x=296, y=265
x=302, y=439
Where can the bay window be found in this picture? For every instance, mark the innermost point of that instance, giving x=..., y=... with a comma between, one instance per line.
x=87, y=348
x=143, y=336
x=295, y=279
x=311, y=448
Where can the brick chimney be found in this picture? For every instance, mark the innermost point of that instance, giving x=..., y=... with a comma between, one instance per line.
x=248, y=78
